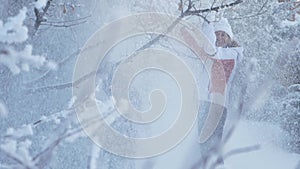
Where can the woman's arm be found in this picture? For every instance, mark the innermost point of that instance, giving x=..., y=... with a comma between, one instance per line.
x=235, y=53
x=192, y=43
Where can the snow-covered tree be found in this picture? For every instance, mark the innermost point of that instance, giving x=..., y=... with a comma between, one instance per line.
x=39, y=43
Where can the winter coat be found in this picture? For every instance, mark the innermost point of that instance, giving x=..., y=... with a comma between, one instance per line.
x=223, y=69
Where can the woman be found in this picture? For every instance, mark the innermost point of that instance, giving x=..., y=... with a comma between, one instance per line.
x=220, y=68
x=212, y=115
x=189, y=153
x=227, y=55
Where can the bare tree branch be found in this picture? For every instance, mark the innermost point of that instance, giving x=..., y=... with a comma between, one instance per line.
x=217, y=8
x=257, y=13
x=60, y=63
x=242, y=150
x=65, y=25
x=40, y=15
x=187, y=12
x=40, y=19
x=68, y=23
x=16, y=159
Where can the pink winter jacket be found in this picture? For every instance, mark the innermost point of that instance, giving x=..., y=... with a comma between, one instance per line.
x=224, y=62
x=220, y=73
x=223, y=68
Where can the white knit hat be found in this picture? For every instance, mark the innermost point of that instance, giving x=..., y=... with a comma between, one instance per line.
x=223, y=25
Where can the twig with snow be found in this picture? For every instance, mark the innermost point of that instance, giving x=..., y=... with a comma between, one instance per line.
x=13, y=31
x=59, y=64
x=40, y=14
x=18, y=61
x=217, y=8
x=66, y=24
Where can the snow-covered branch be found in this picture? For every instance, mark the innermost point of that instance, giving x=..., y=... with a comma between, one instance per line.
x=192, y=11
x=39, y=14
x=13, y=31
x=18, y=61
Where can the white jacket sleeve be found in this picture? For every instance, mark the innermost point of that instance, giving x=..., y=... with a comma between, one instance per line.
x=209, y=33
x=235, y=53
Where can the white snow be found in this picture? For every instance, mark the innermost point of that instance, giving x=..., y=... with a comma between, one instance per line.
x=14, y=30
x=25, y=130
x=246, y=134
x=19, y=150
x=94, y=156
x=3, y=109
x=9, y=146
x=294, y=87
x=40, y=4
x=108, y=106
x=52, y=65
x=71, y=102
x=18, y=61
x=74, y=137
x=291, y=23
x=23, y=151
x=269, y=156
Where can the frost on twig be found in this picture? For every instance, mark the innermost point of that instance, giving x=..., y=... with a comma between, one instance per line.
x=215, y=157
x=41, y=11
x=193, y=9
x=46, y=73
x=13, y=31
x=16, y=146
x=39, y=4
x=25, y=130
x=40, y=14
x=18, y=61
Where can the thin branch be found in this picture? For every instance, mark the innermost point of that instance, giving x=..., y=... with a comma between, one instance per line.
x=187, y=12
x=64, y=85
x=217, y=8
x=7, y=166
x=181, y=6
x=259, y=12
x=249, y=16
x=242, y=150
x=16, y=159
x=234, y=152
x=40, y=20
x=157, y=38
x=42, y=77
x=228, y=135
x=63, y=25
x=52, y=87
x=85, y=77
x=68, y=134
x=40, y=15
x=70, y=21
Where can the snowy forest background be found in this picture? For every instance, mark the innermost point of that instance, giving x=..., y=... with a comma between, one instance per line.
x=40, y=41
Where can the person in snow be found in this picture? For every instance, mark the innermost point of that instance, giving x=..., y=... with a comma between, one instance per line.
x=204, y=140
x=223, y=64
x=220, y=67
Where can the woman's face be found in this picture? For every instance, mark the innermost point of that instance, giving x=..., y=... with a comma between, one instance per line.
x=223, y=39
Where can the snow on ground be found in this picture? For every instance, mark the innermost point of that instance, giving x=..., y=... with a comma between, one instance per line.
x=186, y=154
x=246, y=134
x=269, y=156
